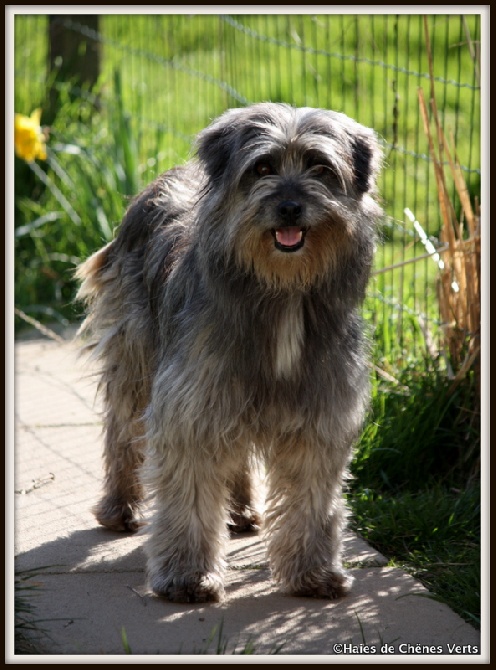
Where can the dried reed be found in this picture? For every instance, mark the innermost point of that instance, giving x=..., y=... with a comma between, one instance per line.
x=459, y=282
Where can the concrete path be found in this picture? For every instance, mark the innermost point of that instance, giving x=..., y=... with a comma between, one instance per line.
x=90, y=584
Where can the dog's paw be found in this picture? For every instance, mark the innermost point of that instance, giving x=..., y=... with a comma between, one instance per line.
x=322, y=584
x=244, y=523
x=196, y=587
x=118, y=515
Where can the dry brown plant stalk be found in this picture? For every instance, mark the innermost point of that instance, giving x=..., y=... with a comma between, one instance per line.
x=459, y=283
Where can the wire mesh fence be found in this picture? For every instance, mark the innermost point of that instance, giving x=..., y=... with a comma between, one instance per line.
x=171, y=74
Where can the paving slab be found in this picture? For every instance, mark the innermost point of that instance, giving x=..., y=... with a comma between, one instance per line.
x=90, y=588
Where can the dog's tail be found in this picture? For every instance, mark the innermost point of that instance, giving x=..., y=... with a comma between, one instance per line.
x=118, y=328
x=93, y=275
x=89, y=274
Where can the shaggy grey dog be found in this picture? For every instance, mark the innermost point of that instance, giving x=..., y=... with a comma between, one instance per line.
x=225, y=314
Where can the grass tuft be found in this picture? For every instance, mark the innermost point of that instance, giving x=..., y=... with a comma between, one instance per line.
x=432, y=534
x=415, y=493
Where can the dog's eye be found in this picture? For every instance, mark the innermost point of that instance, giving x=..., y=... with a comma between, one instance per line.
x=318, y=169
x=263, y=168
x=323, y=171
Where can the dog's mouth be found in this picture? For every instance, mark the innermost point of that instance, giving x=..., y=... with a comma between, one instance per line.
x=289, y=238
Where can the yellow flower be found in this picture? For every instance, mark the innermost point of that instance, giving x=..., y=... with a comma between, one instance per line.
x=29, y=139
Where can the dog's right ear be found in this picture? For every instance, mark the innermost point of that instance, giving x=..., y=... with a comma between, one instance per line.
x=216, y=145
x=367, y=158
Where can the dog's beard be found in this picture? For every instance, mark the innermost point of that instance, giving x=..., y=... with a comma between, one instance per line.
x=287, y=259
x=285, y=256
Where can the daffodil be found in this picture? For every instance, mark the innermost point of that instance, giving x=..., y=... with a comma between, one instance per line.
x=29, y=139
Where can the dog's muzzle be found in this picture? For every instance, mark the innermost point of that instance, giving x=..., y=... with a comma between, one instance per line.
x=289, y=236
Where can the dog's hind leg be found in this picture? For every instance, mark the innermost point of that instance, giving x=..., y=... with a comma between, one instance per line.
x=118, y=329
x=119, y=507
x=124, y=402
x=245, y=504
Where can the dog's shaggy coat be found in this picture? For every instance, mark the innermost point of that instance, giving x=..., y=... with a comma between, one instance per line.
x=225, y=314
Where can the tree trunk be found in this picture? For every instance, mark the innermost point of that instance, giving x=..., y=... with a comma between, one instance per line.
x=73, y=57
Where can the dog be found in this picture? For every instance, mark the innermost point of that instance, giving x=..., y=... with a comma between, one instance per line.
x=226, y=317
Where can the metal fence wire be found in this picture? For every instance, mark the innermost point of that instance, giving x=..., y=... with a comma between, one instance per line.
x=180, y=71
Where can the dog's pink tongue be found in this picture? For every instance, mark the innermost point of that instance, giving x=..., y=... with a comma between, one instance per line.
x=288, y=237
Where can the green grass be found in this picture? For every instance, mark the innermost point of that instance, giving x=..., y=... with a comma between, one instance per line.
x=28, y=627
x=434, y=535
x=24, y=612
x=419, y=432
x=219, y=644
x=79, y=197
x=415, y=492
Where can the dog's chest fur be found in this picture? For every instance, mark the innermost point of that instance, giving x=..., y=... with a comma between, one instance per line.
x=289, y=335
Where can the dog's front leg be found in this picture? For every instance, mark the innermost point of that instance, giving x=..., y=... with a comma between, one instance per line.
x=189, y=529
x=304, y=519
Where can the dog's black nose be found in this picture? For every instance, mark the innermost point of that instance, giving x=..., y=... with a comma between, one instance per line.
x=290, y=211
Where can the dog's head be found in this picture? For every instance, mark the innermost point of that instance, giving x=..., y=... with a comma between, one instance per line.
x=290, y=190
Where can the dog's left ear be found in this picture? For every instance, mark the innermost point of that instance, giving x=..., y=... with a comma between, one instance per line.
x=217, y=143
x=367, y=157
